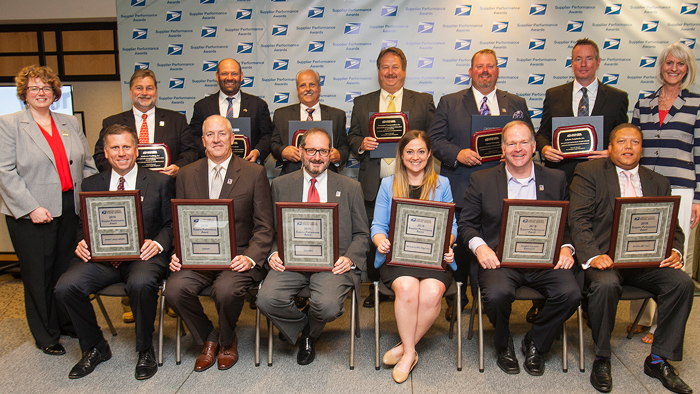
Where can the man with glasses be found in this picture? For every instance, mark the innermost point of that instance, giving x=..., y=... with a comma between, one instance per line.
x=313, y=183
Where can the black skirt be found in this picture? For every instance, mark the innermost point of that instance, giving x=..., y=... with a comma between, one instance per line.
x=388, y=273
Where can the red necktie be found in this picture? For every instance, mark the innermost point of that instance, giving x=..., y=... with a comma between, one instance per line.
x=143, y=133
x=310, y=116
x=120, y=186
x=313, y=192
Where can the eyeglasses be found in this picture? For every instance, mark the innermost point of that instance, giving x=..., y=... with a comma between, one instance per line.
x=312, y=152
x=36, y=89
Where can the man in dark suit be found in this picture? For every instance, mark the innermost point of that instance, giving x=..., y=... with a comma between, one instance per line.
x=328, y=289
x=392, y=97
x=223, y=175
x=596, y=185
x=451, y=135
x=142, y=277
x=231, y=102
x=309, y=108
x=479, y=228
x=568, y=100
x=153, y=125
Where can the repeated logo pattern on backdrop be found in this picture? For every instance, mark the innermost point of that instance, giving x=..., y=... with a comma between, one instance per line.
x=183, y=40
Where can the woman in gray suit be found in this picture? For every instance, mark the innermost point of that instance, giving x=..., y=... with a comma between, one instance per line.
x=44, y=157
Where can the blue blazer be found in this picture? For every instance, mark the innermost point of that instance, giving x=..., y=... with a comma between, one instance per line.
x=382, y=212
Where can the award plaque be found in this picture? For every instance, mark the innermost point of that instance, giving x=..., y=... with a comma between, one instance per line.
x=294, y=126
x=307, y=235
x=575, y=141
x=388, y=126
x=643, y=230
x=597, y=121
x=488, y=144
x=153, y=156
x=296, y=138
x=241, y=145
x=531, y=233
x=419, y=233
x=112, y=225
x=205, y=233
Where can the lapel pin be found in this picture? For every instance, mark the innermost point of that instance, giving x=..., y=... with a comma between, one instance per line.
x=245, y=109
x=63, y=132
x=161, y=124
x=541, y=188
x=337, y=193
x=503, y=110
x=229, y=181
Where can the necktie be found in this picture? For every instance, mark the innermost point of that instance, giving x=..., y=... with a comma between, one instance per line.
x=309, y=116
x=313, y=192
x=484, y=109
x=629, y=187
x=229, y=111
x=120, y=186
x=216, y=183
x=391, y=107
x=583, y=104
x=143, y=133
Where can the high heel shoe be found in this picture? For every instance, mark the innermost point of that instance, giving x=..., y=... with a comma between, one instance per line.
x=389, y=360
x=400, y=377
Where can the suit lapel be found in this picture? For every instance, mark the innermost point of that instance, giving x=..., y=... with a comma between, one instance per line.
x=407, y=102
x=648, y=187
x=567, y=97
x=32, y=128
x=64, y=133
x=245, y=102
x=159, y=125
x=141, y=182
x=129, y=119
x=502, y=185
x=105, y=178
x=539, y=182
x=469, y=103
x=333, y=188
x=232, y=175
x=612, y=182
x=201, y=179
x=503, y=102
x=373, y=101
x=600, y=99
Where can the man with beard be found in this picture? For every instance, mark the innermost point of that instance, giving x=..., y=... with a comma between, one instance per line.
x=328, y=288
x=451, y=132
x=231, y=103
x=308, y=109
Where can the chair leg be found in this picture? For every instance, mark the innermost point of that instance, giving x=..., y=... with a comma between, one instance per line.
x=104, y=313
x=470, y=333
x=454, y=315
x=178, y=335
x=353, y=312
x=161, y=318
x=564, y=359
x=481, y=333
x=376, y=325
x=269, y=342
x=639, y=317
x=458, y=312
x=579, y=313
x=257, y=337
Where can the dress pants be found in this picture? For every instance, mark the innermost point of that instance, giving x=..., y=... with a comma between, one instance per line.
x=44, y=252
x=142, y=280
x=228, y=289
x=674, y=298
x=498, y=292
x=326, y=303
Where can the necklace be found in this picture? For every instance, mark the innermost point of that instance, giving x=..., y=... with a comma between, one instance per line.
x=666, y=101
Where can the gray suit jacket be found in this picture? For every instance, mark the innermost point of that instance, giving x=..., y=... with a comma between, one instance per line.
x=280, y=134
x=420, y=108
x=28, y=176
x=353, y=237
x=451, y=131
x=592, y=206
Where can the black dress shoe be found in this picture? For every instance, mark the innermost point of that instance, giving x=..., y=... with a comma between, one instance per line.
x=369, y=301
x=71, y=334
x=301, y=302
x=89, y=361
x=54, y=350
x=147, y=365
x=532, y=313
x=534, y=361
x=307, y=350
x=667, y=375
x=507, y=360
x=601, y=375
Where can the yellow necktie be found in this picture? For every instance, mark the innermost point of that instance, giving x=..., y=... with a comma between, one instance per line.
x=391, y=107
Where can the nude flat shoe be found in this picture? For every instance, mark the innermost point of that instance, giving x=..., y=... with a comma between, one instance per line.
x=400, y=377
x=389, y=360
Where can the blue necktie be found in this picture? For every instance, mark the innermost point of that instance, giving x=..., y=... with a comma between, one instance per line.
x=484, y=109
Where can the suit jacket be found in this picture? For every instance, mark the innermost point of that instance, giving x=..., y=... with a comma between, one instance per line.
x=451, y=131
x=171, y=130
x=610, y=102
x=353, y=237
x=420, y=108
x=280, y=134
x=28, y=176
x=252, y=107
x=156, y=192
x=591, y=211
x=483, y=205
x=247, y=185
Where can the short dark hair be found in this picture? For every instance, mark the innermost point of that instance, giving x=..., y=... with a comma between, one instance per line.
x=311, y=131
x=485, y=51
x=587, y=41
x=624, y=126
x=117, y=129
x=142, y=73
x=396, y=51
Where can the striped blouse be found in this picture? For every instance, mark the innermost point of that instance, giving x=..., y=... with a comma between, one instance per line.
x=673, y=148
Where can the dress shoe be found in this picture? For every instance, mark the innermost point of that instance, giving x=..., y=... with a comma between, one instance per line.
x=400, y=377
x=507, y=360
x=207, y=357
x=307, y=350
x=146, y=366
x=534, y=361
x=171, y=312
x=601, y=375
x=532, y=313
x=369, y=301
x=53, y=350
x=667, y=375
x=89, y=361
x=128, y=317
x=448, y=311
x=228, y=355
x=389, y=360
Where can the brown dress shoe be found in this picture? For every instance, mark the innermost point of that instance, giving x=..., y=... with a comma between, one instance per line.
x=207, y=357
x=228, y=355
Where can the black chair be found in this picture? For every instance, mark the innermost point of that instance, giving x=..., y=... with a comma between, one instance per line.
x=630, y=293
x=453, y=291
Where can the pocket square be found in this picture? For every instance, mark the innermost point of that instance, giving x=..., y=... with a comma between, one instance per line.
x=518, y=115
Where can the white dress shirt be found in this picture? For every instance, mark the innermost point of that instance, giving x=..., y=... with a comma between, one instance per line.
x=317, y=111
x=321, y=186
x=577, y=94
x=491, y=101
x=211, y=173
x=223, y=104
x=384, y=100
x=150, y=121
